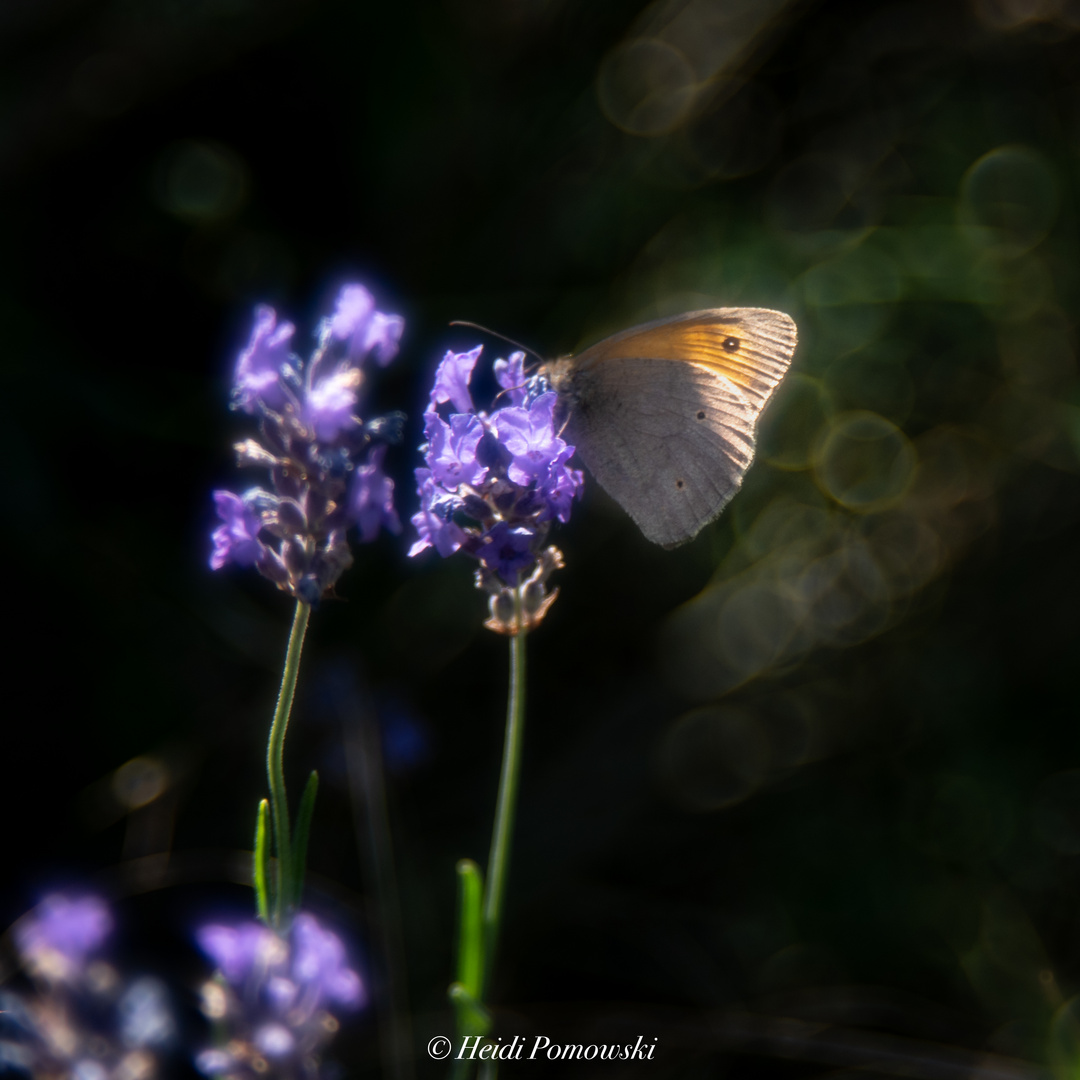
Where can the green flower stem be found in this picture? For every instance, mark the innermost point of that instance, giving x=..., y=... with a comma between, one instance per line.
x=499, y=859
x=275, y=767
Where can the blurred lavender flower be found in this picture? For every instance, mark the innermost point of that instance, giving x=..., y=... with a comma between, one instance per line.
x=493, y=483
x=83, y=1020
x=55, y=939
x=325, y=462
x=274, y=997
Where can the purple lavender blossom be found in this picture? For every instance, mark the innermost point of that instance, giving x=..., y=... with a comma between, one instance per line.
x=237, y=950
x=510, y=375
x=319, y=962
x=529, y=435
x=330, y=405
x=453, y=446
x=237, y=540
x=277, y=995
x=371, y=499
x=507, y=549
x=262, y=364
x=434, y=522
x=325, y=461
x=366, y=330
x=452, y=380
x=63, y=929
x=493, y=483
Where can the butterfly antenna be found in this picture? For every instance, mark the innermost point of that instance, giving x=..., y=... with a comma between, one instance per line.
x=495, y=333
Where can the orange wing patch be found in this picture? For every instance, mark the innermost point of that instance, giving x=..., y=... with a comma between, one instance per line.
x=754, y=358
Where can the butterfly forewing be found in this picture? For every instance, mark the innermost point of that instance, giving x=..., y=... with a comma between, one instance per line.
x=664, y=414
x=752, y=347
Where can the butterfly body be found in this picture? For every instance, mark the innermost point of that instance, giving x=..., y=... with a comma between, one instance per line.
x=664, y=414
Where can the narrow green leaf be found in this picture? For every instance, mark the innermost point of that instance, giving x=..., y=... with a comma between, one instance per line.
x=300, y=837
x=261, y=858
x=470, y=955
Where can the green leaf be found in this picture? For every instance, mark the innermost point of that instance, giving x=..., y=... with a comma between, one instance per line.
x=470, y=943
x=260, y=866
x=300, y=838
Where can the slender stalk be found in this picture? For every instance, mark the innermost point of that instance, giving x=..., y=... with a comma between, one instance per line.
x=499, y=859
x=275, y=768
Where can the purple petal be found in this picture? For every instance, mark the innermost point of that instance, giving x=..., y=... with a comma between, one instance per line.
x=330, y=406
x=259, y=369
x=371, y=500
x=319, y=963
x=562, y=487
x=434, y=522
x=236, y=950
x=452, y=447
x=237, y=540
x=383, y=336
x=72, y=928
x=452, y=379
x=506, y=549
x=356, y=321
x=352, y=312
x=529, y=435
x=510, y=375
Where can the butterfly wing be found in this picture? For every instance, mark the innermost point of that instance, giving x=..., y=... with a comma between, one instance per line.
x=664, y=415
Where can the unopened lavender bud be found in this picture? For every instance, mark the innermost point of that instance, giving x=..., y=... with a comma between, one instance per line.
x=277, y=437
x=477, y=508
x=388, y=429
x=502, y=608
x=488, y=451
x=291, y=517
x=309, y=590
x=532, y=502
x=296, y=557
x=249, y=452
x=337, y=557
x=273, y=569
x=487, y=580
x=288, y=481
x=532, y=597
x=551, y=559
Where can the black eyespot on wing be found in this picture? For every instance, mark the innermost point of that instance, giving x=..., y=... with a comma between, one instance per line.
x=701, y=414
x=679, y=483
x=731, y=344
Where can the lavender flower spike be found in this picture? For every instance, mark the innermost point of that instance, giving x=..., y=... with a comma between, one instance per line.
x=493, y=483
x=276, y=996
x=324, y=459
x=82, y=1019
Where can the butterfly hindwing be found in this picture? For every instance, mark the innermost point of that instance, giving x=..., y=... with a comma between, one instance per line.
x=669, y=442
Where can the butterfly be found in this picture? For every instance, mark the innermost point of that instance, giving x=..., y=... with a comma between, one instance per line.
x=664, y=414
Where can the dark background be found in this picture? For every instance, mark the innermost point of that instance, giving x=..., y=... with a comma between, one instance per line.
x=819, y=765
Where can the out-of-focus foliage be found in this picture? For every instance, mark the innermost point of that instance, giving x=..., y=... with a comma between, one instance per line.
x=821, y=764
